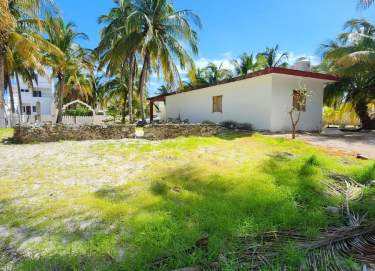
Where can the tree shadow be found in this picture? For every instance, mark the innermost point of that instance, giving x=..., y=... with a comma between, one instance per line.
x=233, y=135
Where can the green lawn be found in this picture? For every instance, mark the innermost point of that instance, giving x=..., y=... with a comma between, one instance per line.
x=5, y=133
x=124, y=205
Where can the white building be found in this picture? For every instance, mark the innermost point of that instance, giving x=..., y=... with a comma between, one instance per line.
x=37, y=100
x=263, y=98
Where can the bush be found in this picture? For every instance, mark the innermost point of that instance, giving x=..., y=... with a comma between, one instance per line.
x=245, y=126
x=78, y=111
x=234, y=125
x=208, y=122
x=229, y=124
x=114, y=112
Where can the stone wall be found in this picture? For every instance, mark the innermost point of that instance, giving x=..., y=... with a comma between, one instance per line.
x=51, y=133
x=165, y=131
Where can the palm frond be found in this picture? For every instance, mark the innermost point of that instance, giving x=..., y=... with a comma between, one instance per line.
x=365, y=3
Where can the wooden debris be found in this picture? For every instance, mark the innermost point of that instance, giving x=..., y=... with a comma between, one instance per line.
x=362, y=157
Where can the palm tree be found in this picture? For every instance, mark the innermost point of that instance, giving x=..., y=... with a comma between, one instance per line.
x=365, y=3
x=117, y=88
x=29, y=9
x=164, y=89
x=25, y=52
x=353, y=58
x=213, y=74
x=111, y=50
x=157, y=31
x=66, y=65
x=273, y=58
x=246, y=63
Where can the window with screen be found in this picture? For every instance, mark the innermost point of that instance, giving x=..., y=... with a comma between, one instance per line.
x=217, y=104
x=37, y=93
x=299, y=101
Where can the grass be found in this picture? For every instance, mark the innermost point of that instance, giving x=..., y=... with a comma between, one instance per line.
x=5, y=133
x=122, y=205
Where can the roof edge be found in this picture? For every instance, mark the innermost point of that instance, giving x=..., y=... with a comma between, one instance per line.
x=276, y=70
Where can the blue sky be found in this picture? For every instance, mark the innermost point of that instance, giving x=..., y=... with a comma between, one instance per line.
x=233, y=27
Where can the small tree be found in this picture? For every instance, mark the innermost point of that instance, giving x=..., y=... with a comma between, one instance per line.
x=299, y=105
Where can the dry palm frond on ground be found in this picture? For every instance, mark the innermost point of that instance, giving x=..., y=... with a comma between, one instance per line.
x=330, y=251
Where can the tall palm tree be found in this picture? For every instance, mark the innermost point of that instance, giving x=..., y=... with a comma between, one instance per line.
x=25, y=52
x=6, y=26
x=246, y=63
x=8, y=23
x=365, y=3
x=66, y=65
x=158, y=31
x=353, y=58
x=271, y=57
x=95, y=77
x=111, y=49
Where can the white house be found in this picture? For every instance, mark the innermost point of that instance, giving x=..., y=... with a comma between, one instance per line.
x=263, y=98
x=37, y=101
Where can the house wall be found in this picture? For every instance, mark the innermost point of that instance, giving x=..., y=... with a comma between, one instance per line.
x=282, y=101
x=46, y=101
x=243, y=101
x=160, y=111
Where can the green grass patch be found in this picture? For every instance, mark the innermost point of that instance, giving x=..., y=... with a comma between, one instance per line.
x=125, y=205
x=6, y=133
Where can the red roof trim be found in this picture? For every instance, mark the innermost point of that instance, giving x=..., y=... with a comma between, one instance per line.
x=285, y=71
x=315, y=75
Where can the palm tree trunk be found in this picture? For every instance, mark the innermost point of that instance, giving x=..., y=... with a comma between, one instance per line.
x=2, y=87
x=142, y=82
x=19, y=99
x=10, y=88
x=362, y=111
x=19, y=94
x=130, y=88
x=60, y=98
x=124, y=105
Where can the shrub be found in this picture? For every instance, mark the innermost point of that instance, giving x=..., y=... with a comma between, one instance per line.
x=78, y=111
x=208, y=122
x=245, y=126
x=234, y=125
x=229, y=124
x=114, y=112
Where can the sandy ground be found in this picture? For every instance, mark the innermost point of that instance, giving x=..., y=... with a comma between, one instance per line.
x=351, y=143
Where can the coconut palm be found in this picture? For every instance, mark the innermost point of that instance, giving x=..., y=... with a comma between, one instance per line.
x=111, y=53
x=355, y=89
x=115, y=92
x=365, y=3
x=25, y=52
x=68, y=64
x=246, y=63
x=158, y=31
x=8, y=23
x=271, y=58
x=353, y=58
x=164, y=89
x=213, y=74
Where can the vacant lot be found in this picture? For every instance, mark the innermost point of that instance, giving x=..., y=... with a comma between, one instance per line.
x=141, y=205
